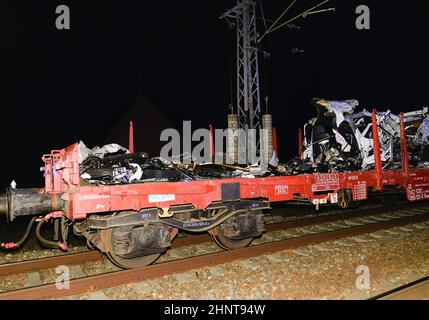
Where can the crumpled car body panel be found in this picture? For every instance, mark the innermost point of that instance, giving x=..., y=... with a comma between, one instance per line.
x=340, y=134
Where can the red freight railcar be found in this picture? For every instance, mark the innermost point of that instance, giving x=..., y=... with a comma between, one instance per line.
x=134, y=223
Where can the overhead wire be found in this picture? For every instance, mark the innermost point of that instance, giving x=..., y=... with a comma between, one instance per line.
x=263, y=15
x=275, y=25
x=278, y=19
x=300, y=15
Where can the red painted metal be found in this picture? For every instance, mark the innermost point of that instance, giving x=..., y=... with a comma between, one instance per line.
x=47, y=159
x=212, y=146
x=300, y=154
x=62, y=176
x=378, y=172
x=98, y=199
x=62, y=170
x=404, y=149
x=415, y=181
x=275, y=141
x=131, y=138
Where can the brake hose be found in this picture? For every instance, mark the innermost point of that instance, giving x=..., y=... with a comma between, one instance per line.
x=48, y=243
x=16, y=245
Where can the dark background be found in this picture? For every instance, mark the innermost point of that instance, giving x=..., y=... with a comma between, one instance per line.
x=60, y=86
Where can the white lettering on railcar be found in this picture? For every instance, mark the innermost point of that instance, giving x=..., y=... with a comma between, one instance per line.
x=161, y=197
x=360, y=191
x=324, y=182
x=417, y=194
x=94, y=196
x=355, y=178
x=281, y=189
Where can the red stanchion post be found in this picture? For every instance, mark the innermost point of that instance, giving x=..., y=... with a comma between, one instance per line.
x=212, y=149
x=404, y=149
x=131, y=138
x=378, y=169
x=300, y=154
x=275, y=141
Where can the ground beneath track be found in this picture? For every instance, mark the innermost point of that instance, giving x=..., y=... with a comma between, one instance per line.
x=393, y=257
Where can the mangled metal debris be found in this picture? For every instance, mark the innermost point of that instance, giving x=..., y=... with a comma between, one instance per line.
x=340, y=139
x=114, y=164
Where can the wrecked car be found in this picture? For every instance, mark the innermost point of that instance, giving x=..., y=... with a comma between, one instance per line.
x=114, y=164
x=340, y=139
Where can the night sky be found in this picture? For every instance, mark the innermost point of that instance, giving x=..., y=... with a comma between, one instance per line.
x=60, y=86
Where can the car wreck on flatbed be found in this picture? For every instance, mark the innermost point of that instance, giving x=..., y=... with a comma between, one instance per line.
x=340, y=139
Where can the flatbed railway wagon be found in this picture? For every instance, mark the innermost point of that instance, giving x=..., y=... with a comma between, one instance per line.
x=134, y=223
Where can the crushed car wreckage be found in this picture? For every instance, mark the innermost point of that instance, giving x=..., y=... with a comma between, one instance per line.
x=114, y=164
x=339, y=139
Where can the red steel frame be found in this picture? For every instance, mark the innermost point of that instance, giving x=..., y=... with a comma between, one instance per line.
x=131, y=138
x=62, y=176
x=275, y=148
x=300, y=154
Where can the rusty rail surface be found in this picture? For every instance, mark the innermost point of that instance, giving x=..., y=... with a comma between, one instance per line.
x=78, y=258
x=83, y=257
x=416, y=290
x=128, y=276
x=49, y=262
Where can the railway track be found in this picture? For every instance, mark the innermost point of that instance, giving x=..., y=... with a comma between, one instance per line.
x=283, y=212
x=84, y=257
x=112, y=279
x=416, y=290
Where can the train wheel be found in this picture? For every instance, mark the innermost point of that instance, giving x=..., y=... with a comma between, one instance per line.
x=128, y=263
x=247, y=226
x=229, y=244
x=132, y=263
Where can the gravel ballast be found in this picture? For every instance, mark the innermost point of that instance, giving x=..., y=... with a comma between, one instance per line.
x=325, y=271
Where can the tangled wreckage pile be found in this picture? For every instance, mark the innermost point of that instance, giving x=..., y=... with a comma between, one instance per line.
x=337, y=140
x=114, y=164
x=340, y=139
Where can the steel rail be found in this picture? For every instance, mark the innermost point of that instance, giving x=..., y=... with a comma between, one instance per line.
x=118, y=278
x=84, y=257
x=7, y=269
x=416, y=290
